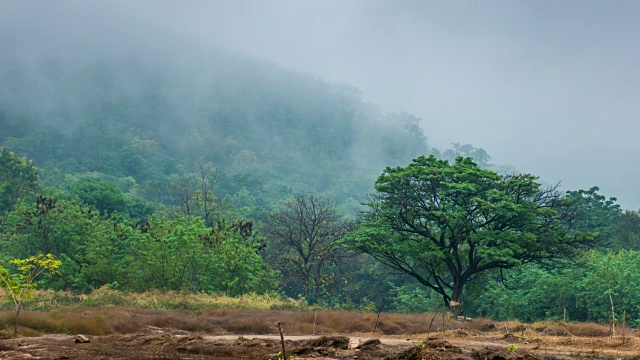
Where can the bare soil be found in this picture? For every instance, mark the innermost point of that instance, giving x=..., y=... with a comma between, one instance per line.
x=161, y=343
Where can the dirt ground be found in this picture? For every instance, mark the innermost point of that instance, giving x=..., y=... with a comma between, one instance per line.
x=158, y=343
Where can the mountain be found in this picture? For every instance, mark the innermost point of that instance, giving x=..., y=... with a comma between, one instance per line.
x=149, y=113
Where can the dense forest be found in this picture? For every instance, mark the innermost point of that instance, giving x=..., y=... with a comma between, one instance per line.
x=211, y=172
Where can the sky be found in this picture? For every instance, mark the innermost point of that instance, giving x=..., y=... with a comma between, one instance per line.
x=550, y=87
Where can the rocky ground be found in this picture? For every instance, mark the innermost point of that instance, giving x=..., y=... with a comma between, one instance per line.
x=158, y=343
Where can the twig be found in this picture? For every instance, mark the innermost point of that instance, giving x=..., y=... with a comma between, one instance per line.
x=284, y=351
x=613, y=314
x=564, y=321
x=378, y=318
x=431, y=323
x=315, y=317
x=624, y=326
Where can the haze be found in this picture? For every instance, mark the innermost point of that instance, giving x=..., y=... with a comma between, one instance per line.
x=549, y=87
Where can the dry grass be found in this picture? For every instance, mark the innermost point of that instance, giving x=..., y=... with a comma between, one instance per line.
x=159, y=300
x=107, y=311
x=584, y=329
x=121, y=320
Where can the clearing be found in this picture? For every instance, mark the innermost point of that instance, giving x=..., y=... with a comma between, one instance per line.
x=119, y=333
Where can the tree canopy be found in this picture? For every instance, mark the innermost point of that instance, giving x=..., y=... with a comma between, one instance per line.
x=18, y=179
x=445, y=224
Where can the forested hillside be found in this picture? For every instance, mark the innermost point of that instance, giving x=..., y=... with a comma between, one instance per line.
x=127, y=119
x=206, y=171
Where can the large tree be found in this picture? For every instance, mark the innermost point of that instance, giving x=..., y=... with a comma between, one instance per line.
x=104, y=195
x=306, y=234
x=444, y=224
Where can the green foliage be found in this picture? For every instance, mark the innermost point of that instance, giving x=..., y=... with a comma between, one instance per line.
x=18, y=179
x=625, y=231
x=239, y=268
x=106, y=197
x=47, y=225
x=532, y=293
x=536, y=293
x=140, y=209
x=183, y=254
x=593, y=212
x=413, y=298
x=89, y=243
x=623, y=268
x=171, y=254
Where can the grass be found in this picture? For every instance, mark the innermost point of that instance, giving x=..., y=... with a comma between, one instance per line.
x=121, y=320
x=107, y=311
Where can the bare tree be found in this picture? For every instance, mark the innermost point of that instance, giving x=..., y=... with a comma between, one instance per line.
x=305, y=234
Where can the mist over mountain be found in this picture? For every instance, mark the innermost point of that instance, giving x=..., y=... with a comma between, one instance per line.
x=544, y=85
x=131, y=105
x=535, y=84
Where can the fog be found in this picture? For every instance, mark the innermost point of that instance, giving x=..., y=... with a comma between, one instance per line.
x=549, y=87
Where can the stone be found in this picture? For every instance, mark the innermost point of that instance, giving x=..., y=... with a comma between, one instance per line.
x=81, y=339
x=354, y=343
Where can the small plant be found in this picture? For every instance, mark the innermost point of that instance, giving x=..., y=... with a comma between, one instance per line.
x=20, y=286
x=280, y=356
x=421, y=345
x=512, y=348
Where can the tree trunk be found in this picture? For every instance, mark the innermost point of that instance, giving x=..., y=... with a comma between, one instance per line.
x=307, y=280
x=456, y=298
x=317, y=280
x=15, y=325
x=306, y=289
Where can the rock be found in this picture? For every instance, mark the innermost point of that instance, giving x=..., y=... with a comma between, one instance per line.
x=336, y=342
x=81, y=339
x=354, y=343
x=370, y=344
